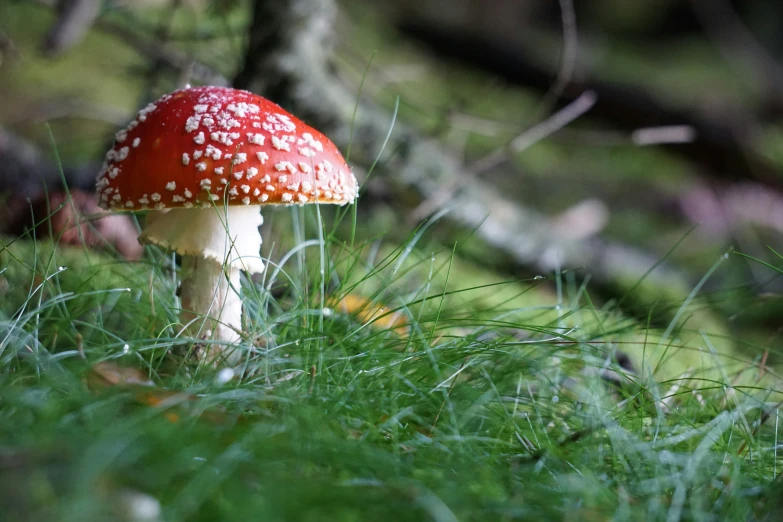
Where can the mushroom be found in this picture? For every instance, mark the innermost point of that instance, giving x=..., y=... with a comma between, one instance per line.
x=204, y=160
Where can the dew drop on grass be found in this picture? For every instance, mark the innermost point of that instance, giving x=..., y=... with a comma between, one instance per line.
x=538, y=278
x=125, y=348
x=555, y=399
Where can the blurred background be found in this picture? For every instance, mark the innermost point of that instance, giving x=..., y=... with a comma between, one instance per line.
x=631, y=145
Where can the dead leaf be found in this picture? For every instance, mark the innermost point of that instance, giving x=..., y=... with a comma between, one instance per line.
x=108, y=374
x=377, y=315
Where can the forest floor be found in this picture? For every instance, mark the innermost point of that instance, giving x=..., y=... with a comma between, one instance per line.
x=385, y=390
x=405, y=377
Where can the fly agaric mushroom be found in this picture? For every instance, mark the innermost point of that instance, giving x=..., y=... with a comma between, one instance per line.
x=203, y=160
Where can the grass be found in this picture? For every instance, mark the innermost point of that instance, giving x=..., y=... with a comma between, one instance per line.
x=381, y=380
x=478, y=402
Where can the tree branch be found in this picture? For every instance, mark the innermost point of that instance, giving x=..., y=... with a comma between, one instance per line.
x=292, y=66
x=719, y=144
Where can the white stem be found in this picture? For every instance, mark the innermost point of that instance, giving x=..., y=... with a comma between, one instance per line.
x=210, y=299
x=226, y=235
x=215, y=244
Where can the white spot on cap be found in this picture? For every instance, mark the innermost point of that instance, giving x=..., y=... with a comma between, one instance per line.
x=214, y=152
x=245, y=188
x=221, y=137
x=155, y=197
x=198, y=154
x=188, y=194
x=280, y=144
x=136, y=142
x=255, y=138
x=256, y=192
x=302, y=198
x=246, y=200
x=263, y=197
x=288, y=125
x=121, y=136
x=192, y=123
x=205, y=183
x=200, y=139
x=304, y=167
x=177, y=199
x=201, y=166
x=251, y=172
x=314, y=143
x=145, y=111
x=172, y=186
x=200, y=108
x=287, y=197
x=262, y=157
x=241, y=109
x=240, y=157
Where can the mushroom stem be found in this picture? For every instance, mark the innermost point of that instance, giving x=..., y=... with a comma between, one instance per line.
x=215, y=244
x=210, y=299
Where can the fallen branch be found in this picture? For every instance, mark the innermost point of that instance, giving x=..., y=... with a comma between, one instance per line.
x=717, y=142
x=288, y=61
x=69, y=29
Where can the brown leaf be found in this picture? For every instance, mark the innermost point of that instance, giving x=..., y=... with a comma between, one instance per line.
x=81, y=221
x=377, y=315
x=108, y=374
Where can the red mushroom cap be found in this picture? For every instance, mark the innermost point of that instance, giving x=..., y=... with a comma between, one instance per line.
x=203, y=144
